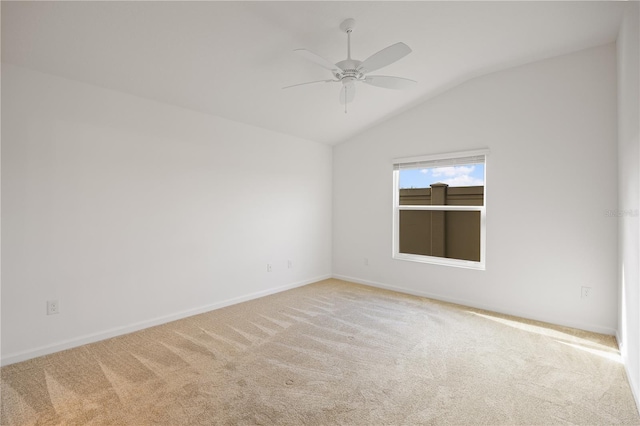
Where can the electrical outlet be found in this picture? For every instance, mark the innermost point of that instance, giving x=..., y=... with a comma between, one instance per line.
x=366, y=261
x=268, y=267
x=53, y=307
x=586, y=292
x=289, y=264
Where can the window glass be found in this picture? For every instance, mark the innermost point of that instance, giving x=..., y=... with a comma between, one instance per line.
x=439, y=213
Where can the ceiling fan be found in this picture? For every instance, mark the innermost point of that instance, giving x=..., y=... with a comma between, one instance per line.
x=351, y=71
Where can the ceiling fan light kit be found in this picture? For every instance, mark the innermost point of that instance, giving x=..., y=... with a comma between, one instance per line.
x=351, y=71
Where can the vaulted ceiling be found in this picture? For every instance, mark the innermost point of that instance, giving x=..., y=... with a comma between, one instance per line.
x=231, y=59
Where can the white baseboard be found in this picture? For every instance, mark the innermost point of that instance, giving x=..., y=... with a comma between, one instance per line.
x=487, y=307
x=118, y=331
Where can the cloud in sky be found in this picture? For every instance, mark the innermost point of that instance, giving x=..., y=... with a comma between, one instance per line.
x=454, y=175
x=462, y=175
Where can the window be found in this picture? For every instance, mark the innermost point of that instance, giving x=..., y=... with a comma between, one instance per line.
x=439, y=209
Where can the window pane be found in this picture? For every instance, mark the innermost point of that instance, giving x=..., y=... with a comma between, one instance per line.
x=460, y=185
x=448, y=234
x=454, y=236
x=439, y=195
x=458, y=175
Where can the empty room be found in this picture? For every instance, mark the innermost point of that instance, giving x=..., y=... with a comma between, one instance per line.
x=320, y=213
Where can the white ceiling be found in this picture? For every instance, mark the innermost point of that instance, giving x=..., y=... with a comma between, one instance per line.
x=231, y=59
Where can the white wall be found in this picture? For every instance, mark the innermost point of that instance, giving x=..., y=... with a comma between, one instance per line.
x=629, y=194
x=551, y=176
x=131, y=212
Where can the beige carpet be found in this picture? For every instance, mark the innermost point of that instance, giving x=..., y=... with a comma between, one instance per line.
x=324, y=354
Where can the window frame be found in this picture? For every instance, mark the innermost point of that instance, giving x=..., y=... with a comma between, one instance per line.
x=460, y=263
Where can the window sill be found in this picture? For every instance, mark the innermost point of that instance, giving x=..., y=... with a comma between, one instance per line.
x=466, y=264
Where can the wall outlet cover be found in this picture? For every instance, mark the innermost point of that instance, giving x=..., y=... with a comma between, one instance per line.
x=53, y=307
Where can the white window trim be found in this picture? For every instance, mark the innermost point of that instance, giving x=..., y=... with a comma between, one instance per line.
x=481, y=265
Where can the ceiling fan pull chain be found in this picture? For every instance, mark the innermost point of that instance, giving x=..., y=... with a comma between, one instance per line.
x=345, y=99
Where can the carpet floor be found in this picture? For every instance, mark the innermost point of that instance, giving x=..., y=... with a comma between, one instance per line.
x=330, y=353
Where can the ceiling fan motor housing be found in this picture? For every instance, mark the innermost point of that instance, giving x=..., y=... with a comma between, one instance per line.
x=349, y=69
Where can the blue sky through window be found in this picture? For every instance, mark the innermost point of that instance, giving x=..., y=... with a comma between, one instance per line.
x=463, y=175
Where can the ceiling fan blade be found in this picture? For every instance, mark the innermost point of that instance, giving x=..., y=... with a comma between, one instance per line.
x=385, y=57
x=347, y=93
x=310, y=82
x=389, y=82
x=310, y=56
